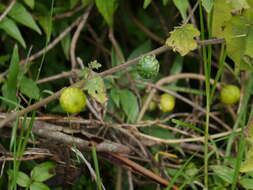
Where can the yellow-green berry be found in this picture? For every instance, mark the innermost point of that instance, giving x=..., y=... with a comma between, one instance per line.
x=167, y=102
x=152, y=104
x=72, y=100
x=230, y=94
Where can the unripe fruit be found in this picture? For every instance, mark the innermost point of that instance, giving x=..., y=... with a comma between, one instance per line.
x=230, y=94
x=148, y=67
x=167, y=102
x=152, y=104
x=72, y=100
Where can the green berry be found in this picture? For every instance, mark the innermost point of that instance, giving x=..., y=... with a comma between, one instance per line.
x=148, y=67
x=230, y=94
x=152, y=104
x=72, y=100
x=167, y=102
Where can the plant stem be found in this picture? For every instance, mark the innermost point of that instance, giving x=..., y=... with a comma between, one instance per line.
x=207, y=69
x=95, y=159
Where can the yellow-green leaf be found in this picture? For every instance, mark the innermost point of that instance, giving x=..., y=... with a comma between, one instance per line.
x=96, y=88
x=247, y=165
x=182, y=39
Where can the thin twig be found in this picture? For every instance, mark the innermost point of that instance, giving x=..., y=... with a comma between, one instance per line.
x=7, y=10
x=176, y=141
x=76, y=36
x=68, y=14
x=79, y=84
x=58, y=76
x=55, y=41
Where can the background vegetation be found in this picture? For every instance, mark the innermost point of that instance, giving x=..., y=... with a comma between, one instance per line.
x=120, y=140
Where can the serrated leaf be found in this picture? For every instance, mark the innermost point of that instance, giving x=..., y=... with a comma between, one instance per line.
x=29, y=88
x=96, y=88
x=129, y=105
x=21, y=15
x=43, y=171
x=39, y=186
x=208, y=5
x=221, y=13
x=107, y=9
x=182, y=6
x=12, y=30
x=182, y=39
x=30, y=3
x=223, y=172
x=10, y=89
x=46, y=24
x=238, y=33
x=95, y=65
x=146, y=3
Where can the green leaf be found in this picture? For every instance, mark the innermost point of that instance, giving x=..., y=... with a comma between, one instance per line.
x=115, y=94
x=65, y=44
x=238, y=33
x=46, y=24
x=73, y=3
x=43, y=171
x=146, y=3
x=165, y=2
x=221, y=13
x=23, y=180
x=4, y=58
x=115, y=59
x=129, y=104
x=141, y=49
x=21, y=15
x=11, y=83
x=29, y=88
x=87, y=2
x=177, y=65
x=239, y=4
x=66, y=41
x=208, y=5
x=107, y=9
x=30, y=3
x=247, y=165
x=12, y=30
x=223, y=172
x=158, y=132
x=181, y=39
x=96, y=88
x=95, y=64
x=182, y=6
x=247, y=183
x=39, y=186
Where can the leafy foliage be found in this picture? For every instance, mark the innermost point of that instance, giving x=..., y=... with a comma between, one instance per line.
x=199, y=144
x=181, y=39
